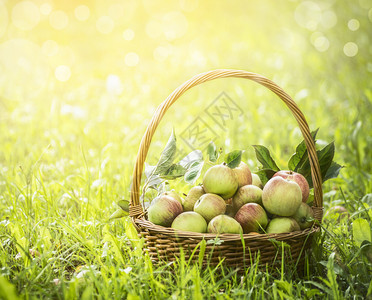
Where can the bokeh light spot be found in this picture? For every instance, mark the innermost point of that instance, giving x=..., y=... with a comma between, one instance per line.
x=329, y=19
x=308, y=15
x=82, y=12
x=114, y=85
x=105, y=25
x=3, y=19
x=161, y=53
x=353, y=24
x=154, y=28
x=23, y=62
x=128, y=34
x=189, y=5
x=25, y=15
x=131, y=59
x=174, y=25
x=45, y=9
x=62, y=73
x=321, y=43
x=58, y=19
x=350, y=49
x=50, y=48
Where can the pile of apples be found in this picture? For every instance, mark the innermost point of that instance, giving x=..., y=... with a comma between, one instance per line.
x=233, y=200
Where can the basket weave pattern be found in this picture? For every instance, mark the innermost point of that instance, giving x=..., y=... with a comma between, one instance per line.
x=164, y=243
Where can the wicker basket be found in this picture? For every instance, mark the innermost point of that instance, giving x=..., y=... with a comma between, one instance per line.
x=164, y=244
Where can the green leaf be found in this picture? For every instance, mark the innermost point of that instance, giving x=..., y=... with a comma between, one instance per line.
x=361, y=231
x=193, y=172
x=325, y=157
x=300, y=156
x=124, y=205
x=264, y=157
x=265, y=175
x=190, y=158
x=212, y=152
x=332, y=171
x=7, y=290
x=174, y=172
x=167, y=156
x=119, y=213
x=234, y=158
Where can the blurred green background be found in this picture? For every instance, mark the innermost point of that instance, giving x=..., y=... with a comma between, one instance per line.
x=80, y=80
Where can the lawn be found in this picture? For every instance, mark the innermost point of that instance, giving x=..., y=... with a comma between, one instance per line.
x=80, y=81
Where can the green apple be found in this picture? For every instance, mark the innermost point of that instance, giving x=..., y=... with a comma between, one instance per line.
x=257, y=181
x=304, y=216
x=252, y=217
x=220, y=180
x=281, y=197
x=209, y=206
x=163, y=210
x=282, y=225
x=247, y=194
x=174, y=195
x=190, y=221
x=243, y=174
x=224, y=224
x=193, y=195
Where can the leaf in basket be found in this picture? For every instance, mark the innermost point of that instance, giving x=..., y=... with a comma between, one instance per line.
x=193, y=172
x=119, y=213
x=325, y=157
x=212, y=152
x=264, y=157
x=298, y=158
x=174, y=172
x=234, y=158
x=332, y=171
x=167, y=156
x=124, y=205
x=265, y=175
x=190, y=158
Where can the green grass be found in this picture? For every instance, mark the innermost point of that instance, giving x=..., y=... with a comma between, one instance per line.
x=67, y=153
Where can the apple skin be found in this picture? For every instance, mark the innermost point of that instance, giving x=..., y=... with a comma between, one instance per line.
x=209, y=206
x=190, y=221
x=281, y=197
x=252, y=217
x=299, y=179
x=247, y=194
x=174, y=195
x=224, y=224
x=243, y=173
x=194, y=194
x=220, y=180
x=303, y=213
x=282, y=225
x=257, y=181
x=163, y=210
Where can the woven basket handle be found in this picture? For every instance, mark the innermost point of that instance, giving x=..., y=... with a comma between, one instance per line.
x=136, y=209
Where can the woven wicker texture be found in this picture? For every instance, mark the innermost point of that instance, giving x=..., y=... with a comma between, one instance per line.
x=164, y=243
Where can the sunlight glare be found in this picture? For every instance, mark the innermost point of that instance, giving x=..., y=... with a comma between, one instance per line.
x=58, y=19
x=25, y=15
x=82, y=12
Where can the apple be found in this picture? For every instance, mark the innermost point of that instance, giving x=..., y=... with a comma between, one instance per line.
x=174, y=195
x=282, y=225
x=194, y=194
x=224, y=224
x=209, y=206
x=163, y=210
x=247, y=194
x=252, y=217
x=190, y=221
x=299, y=179
x=256, y=180
x=302, y=216
x=281, y=197
x=220, y=180
x=339, y=211
x=243, y=173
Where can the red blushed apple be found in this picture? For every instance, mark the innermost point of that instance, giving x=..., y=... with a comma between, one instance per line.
x=299, y=179
x=252, y=217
